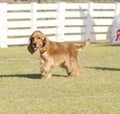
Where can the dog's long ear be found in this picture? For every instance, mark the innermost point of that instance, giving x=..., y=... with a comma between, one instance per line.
x=30, y=47
x=45, y=44
x=45, y=41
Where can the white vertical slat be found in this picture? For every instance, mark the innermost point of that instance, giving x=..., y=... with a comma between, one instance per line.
x=61, y=20
x=33, y=16
x=3, y=25
x=89, y=21
x=117, y=9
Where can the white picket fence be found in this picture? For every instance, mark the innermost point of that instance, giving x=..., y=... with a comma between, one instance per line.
x=59, y=21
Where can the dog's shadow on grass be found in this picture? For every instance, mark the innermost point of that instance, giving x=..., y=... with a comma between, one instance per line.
x=105, y=68
x=32, y=76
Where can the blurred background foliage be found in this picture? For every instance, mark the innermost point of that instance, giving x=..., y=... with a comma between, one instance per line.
x=53, y=1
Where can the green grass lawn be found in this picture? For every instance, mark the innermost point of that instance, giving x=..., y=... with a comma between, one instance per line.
x=95, y=91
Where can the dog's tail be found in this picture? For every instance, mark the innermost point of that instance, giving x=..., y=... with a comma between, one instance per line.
x=83, y=45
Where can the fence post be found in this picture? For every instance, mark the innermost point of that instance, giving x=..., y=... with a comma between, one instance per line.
x=33, y=16
x=61, y=21
x=3, y=25
x=89, y=21
x=117, y=9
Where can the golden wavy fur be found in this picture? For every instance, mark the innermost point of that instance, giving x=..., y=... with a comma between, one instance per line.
x=53, y=54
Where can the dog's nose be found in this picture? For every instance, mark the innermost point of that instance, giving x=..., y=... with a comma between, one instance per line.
x=34, y=44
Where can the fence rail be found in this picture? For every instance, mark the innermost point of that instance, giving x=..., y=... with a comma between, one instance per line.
x=59, y=21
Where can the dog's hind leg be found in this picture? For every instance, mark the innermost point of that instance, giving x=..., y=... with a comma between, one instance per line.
x=66, y=66
x=75, y=71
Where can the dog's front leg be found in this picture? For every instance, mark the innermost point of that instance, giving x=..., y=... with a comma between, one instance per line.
x=46, y=70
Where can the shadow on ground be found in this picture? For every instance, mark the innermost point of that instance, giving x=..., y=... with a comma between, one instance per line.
x=32, y=76
x=105, y=68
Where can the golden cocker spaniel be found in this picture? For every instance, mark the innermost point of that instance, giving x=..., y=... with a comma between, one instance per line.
x=63, y=54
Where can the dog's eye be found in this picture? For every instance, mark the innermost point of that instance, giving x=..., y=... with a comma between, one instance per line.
x=32, y=38
x=38, y=37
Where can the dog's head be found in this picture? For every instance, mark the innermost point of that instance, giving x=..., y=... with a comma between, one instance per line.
x=37, y=41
